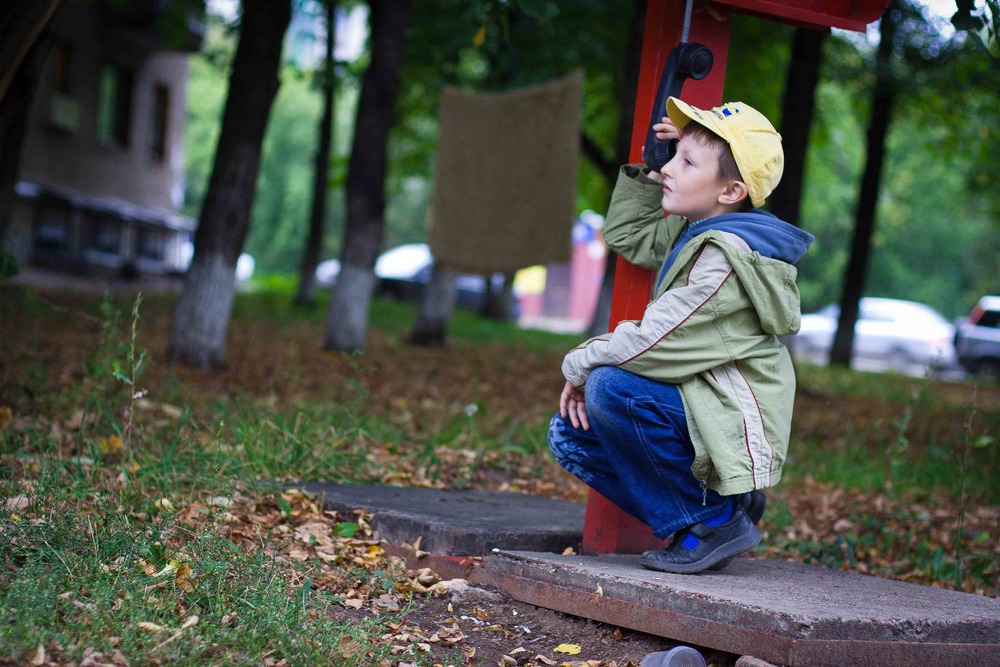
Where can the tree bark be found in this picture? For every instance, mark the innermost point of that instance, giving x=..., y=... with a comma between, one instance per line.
x=204, y=306
x=498, y=304
x=883, y=95
x=25, y=43
x=314, y=241
x=347, y=322
x=797, y=111
x=600, y=321
x=436, y=308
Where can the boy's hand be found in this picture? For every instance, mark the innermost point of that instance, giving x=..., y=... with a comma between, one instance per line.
x=571, y=404
x=665, y=131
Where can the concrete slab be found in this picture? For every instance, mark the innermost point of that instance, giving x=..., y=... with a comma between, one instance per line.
x=459, y=523
x=786, y=613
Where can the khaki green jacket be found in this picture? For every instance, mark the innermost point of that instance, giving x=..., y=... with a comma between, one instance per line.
x=712, y=328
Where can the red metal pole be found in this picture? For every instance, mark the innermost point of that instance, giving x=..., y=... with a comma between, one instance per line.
x=606, y=528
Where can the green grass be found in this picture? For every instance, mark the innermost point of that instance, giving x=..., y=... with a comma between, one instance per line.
x=76, y=561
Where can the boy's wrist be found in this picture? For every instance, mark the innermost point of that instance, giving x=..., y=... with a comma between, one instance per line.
x=639, y=172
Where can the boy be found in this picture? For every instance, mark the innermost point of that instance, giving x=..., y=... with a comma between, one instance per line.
x=680, y=419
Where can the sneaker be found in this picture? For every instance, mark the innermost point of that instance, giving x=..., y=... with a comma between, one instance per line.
x=715, y=544
x=753, y=503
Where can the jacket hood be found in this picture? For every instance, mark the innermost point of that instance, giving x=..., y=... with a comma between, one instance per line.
x=767, y=273
x=764, y=232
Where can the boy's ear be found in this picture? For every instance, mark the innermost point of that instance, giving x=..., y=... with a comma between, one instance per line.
x=734, y=193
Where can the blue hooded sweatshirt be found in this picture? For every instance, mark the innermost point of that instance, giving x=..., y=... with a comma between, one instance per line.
x=764, y=232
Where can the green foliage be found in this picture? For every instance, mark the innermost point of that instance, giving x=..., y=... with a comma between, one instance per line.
x=936, y=238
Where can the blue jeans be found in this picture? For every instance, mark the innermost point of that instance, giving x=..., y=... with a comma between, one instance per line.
x=638, y=451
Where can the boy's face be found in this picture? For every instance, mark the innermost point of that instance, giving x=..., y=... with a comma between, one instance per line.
x=692, y=185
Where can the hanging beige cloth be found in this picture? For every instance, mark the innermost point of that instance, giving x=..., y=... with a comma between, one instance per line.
x=505, y=188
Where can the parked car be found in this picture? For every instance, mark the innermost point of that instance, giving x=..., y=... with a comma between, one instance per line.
x=327, y=272
x=890, y=334
x=977, y=339
x=404, y=271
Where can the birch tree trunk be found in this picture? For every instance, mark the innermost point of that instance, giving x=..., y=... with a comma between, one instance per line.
x=436, y=307
x=314, y=241
x=201, y=317
x=347, y=320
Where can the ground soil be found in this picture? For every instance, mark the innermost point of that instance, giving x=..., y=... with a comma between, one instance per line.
x=495, y=626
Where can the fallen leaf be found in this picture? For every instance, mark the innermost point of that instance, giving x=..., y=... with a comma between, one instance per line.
x=17, y=503
x=183, y=579
x=38, y=658
x=569, y=649
x=151, y=627
x=164, y=504
x=111, y=445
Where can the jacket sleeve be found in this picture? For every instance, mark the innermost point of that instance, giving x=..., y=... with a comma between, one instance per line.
x=679, y=334
x=635, y=227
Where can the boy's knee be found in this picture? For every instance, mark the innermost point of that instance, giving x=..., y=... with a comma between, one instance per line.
x=603, y=388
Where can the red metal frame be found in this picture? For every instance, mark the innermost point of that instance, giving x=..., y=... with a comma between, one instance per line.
x=607, y=529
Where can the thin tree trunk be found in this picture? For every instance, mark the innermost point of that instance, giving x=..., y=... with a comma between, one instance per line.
x=601, y=320
x=26, y=36
x=797, y=111
x=347, y=321
x=436, y=308
x=314, y=242
x=878, y=127
x=498, y=304
x=204, y=306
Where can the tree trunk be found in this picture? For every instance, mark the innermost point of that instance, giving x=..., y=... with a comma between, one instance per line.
x=436, y=308
x=347, y=323
x=314, y=241
x=601, y=320
x=878, y=127
x=204, y=306
x=498, y=304
x=25, y=43
x=798, y=105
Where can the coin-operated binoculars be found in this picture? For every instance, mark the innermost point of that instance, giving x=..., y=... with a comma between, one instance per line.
x=685, y=46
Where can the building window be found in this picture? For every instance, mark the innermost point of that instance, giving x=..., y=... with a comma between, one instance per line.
x=152, y=245
x=114, y=105
x=60, y=59
x=64, y=107
x=161, y=122
x=51, y=235
x=106, y=236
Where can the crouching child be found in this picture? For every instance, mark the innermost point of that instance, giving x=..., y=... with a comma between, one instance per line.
x=682, y=418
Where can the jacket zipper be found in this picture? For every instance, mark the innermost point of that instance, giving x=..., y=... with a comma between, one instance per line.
x=703, y=483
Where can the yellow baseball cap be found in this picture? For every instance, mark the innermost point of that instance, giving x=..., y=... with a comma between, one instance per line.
x=756, y=145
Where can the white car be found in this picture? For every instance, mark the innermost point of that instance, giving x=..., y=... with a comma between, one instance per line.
x=890, y=334
x=404, y=271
